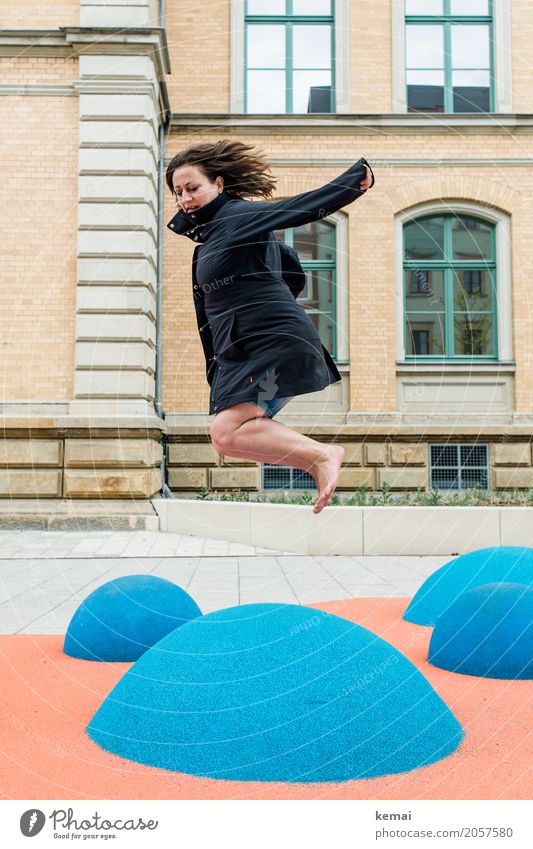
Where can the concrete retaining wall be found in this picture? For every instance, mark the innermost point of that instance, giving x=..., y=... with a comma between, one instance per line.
x=350, y=530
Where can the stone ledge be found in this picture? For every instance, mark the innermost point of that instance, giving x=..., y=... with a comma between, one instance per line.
x=197, y=424
x=74, y=515
x=77, y=425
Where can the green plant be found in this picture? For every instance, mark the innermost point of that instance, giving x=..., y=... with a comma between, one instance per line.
x=430, y=499
x=385, y=489
x=361, y=496
x=420, y=494
x=234, y=495
x=364, y=496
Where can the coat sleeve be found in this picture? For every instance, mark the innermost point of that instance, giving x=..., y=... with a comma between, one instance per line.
x=291, y=270
x=264, y=216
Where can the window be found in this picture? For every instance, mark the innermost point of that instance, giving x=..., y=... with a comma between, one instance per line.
x=285, y=477
x=315, y=245
x=458, y=467
x=450, y=295
x=289, y=49
x=448, y=56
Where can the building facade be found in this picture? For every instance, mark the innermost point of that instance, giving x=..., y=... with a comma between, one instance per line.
x=421, y=290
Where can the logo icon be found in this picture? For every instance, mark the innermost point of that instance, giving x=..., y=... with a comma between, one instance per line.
x=32, y=822
x=268, y=385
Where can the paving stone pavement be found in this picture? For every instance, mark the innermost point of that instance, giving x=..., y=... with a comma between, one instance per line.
x=44, y=575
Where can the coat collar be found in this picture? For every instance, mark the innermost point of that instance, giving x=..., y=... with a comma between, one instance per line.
x=186, y=223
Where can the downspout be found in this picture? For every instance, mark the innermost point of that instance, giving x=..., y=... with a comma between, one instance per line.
x=165, y=491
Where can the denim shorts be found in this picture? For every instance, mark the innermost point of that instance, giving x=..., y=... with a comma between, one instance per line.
x=274, y=405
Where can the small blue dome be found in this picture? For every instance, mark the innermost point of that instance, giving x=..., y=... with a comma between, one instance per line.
x=123, y=618
x=506, y=563
x=268, y=692
x=487, y=631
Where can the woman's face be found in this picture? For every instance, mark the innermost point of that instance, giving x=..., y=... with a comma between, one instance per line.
x=193, y=189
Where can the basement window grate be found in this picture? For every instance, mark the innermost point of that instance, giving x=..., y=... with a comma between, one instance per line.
x=459, y=467
x=285, y=477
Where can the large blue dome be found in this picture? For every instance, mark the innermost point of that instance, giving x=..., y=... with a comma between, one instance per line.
x=123, y=618
x=484, y=566
x=268, y=692
x=487, y=631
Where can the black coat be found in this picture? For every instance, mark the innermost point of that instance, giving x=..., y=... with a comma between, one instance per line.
x=245, y=285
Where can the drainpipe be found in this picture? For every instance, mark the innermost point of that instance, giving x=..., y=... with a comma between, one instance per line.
x=165, y=491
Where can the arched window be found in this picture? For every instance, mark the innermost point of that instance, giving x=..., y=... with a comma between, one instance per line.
x=315, y=244
x=450, y=288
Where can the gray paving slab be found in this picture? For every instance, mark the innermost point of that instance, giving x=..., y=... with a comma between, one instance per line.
x=44, y=575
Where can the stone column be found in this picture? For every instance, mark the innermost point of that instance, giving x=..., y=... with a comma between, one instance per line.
x=120, y=101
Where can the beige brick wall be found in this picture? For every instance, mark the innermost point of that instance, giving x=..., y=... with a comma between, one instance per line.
x=370, y=57
x=40, y=15
x=198, y=37
x=199, y=46
x=521, y=35
x=38, y=173
x=48, y=70
x=372, y=325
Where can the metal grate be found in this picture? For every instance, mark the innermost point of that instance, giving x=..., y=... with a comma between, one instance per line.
x=459, y=467
x=285, y=477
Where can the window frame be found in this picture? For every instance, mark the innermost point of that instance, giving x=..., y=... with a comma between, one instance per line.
x=321, y=265
x=340, y=59
x=447, y=20
x=288, y=20
x=501, y=59
x=503, y=304
x=449, y=267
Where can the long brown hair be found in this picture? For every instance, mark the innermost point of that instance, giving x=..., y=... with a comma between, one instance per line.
x=245, y=171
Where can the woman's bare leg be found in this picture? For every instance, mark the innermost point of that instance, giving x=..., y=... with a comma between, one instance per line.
x=246, y=431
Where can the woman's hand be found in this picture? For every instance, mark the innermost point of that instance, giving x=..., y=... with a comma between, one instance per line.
x=366, y=182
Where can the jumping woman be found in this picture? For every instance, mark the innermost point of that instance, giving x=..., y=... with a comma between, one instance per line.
x=260, y=346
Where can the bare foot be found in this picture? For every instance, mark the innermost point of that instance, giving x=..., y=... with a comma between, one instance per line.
x=326, y=474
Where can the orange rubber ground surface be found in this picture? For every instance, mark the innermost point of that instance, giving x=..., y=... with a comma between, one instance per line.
x=48, y=699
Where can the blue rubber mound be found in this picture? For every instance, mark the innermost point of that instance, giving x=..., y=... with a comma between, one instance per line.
x=487, y=631
x=123, y=618
x=268, y=692
x=509, y=563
